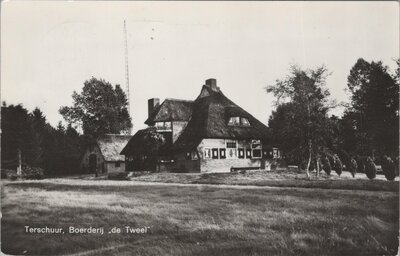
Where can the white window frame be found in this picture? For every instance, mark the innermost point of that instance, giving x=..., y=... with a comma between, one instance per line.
x=163, y=126
x=231, y=141
x=205, y=155
x=257, y=147
x=233, y=149
x=276, y=153
x=244, y=123
x=234, y=120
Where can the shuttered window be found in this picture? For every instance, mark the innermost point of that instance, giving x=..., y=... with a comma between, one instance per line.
x=215, y=153
x=241, y=152
x=222, y=152
x=248, y=153
x=207, y=153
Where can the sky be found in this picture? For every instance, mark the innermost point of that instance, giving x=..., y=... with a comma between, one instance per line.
x=48, y=49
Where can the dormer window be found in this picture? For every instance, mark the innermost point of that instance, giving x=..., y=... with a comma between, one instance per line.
x=239, y=121
x=163, y=126
x=244, y=121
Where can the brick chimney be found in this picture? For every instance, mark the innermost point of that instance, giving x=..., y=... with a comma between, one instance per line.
x=212, y=84
x=152, y=105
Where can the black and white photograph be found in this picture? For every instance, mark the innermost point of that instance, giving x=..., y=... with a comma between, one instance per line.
x=200, y=128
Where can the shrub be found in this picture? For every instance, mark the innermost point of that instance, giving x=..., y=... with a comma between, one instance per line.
x=388, y=168
x=13, y=176
x=326, y=166
x=312, y=166
x=32, y=173
x=360, y=164
x=274, y=165
x=337, y=165
x=6, y=173
x=370, y=168
x=352, y=167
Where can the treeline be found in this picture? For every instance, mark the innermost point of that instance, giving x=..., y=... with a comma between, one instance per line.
x=29, y=138
x=367, y=133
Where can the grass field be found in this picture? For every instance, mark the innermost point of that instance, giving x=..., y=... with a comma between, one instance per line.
x=280, y=178
x=201, y=219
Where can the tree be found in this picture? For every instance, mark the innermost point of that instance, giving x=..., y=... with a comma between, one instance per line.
x=301, y=115
x=374, y=108
x=28, y=136
x=17, y=140
x=99, y=109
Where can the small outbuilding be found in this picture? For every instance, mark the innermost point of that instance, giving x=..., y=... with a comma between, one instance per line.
x=103, y=156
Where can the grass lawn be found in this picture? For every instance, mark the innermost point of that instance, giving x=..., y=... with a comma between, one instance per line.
x=199, y=219
x=279, y=178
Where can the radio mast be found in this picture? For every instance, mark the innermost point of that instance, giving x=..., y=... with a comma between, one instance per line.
x=127, y=69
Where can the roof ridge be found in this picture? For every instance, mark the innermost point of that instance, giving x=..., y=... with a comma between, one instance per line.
x=178, y=100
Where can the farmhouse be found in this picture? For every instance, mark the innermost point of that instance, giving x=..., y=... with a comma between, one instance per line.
x=210, y=134
x=103, y=156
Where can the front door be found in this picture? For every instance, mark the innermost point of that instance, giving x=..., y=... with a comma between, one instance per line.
x=92, y=163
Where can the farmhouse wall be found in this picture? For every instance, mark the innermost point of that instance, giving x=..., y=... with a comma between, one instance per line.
x=111, y=167
x=84, y=165
x=225, y=165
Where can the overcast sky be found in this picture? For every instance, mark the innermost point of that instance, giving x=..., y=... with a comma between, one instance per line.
x=48, y=49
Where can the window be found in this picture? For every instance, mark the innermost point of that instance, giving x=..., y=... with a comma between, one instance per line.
x=191, y=155
x=222, y=152
x=241, y=152
x=236, y=120
x=265, y=154
x=215, y=153
x=117, y=164
x=244, y=121
x=256, y=153
x=231, y=143
x=248, y=153
x=256, y=148
x=207, y=153
x=194, y=155
x=163, y=126
x=276, y=153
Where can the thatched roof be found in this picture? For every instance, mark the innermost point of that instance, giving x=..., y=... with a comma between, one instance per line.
x=207, y=117
x=111, y=145
x=171, y=110
x=147, y=142
x=210, y=116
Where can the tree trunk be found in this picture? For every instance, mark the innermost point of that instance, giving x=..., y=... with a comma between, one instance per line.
x=309, y=140
x=309, y=158
x=318, y=165
x=19, y=168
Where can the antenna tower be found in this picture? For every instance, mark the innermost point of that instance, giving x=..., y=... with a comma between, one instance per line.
x=127, y=69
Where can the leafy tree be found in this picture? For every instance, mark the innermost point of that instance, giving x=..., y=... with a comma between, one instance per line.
x=300, y=123
x=99, y=109
x=374, y=108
